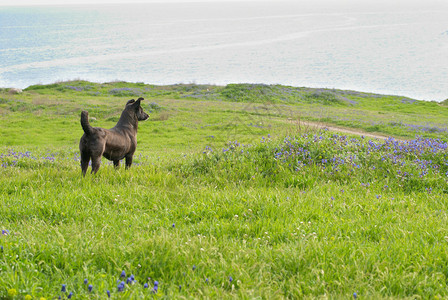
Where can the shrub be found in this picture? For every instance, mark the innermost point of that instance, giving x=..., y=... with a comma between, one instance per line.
x=126, y=92
x=163, y=116
x=154, y=107
x=305, y=159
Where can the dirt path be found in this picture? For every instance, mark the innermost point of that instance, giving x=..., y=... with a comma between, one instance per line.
x=321, y=125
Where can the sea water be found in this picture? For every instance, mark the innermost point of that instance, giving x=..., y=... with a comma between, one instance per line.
x=383, y=49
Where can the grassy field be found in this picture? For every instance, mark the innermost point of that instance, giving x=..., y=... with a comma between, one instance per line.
x=230, y=196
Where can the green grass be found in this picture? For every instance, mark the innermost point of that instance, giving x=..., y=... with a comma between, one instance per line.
x=224, y=186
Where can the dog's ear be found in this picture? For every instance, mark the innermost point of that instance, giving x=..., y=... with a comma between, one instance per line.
x=130, y=102
x=137, y=103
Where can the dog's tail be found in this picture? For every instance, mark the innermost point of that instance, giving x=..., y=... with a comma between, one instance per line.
x=88, y=129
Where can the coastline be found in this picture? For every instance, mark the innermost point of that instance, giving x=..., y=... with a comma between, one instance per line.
x=229, y=43
x=18, y=90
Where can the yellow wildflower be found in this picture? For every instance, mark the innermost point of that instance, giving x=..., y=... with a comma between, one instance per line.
x=12, y=292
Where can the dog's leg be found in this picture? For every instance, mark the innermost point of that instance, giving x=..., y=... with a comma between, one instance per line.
x=96, y=162
x=116, y=164
x=128, y=161
x=85, y=158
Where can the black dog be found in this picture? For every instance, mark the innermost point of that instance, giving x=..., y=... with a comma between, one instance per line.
x=115, y=143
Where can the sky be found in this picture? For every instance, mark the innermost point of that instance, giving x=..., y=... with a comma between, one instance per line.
x=315, y=2
x=66, y=2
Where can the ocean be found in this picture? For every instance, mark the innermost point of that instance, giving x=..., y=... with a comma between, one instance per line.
x=399, y=50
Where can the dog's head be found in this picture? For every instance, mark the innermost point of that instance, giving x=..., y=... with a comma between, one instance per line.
x=136, y=108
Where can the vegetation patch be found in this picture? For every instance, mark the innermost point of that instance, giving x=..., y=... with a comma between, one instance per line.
x=234, y=193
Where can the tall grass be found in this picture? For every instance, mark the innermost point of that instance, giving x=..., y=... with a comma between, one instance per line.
x=267, y=211
x=293, y=217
